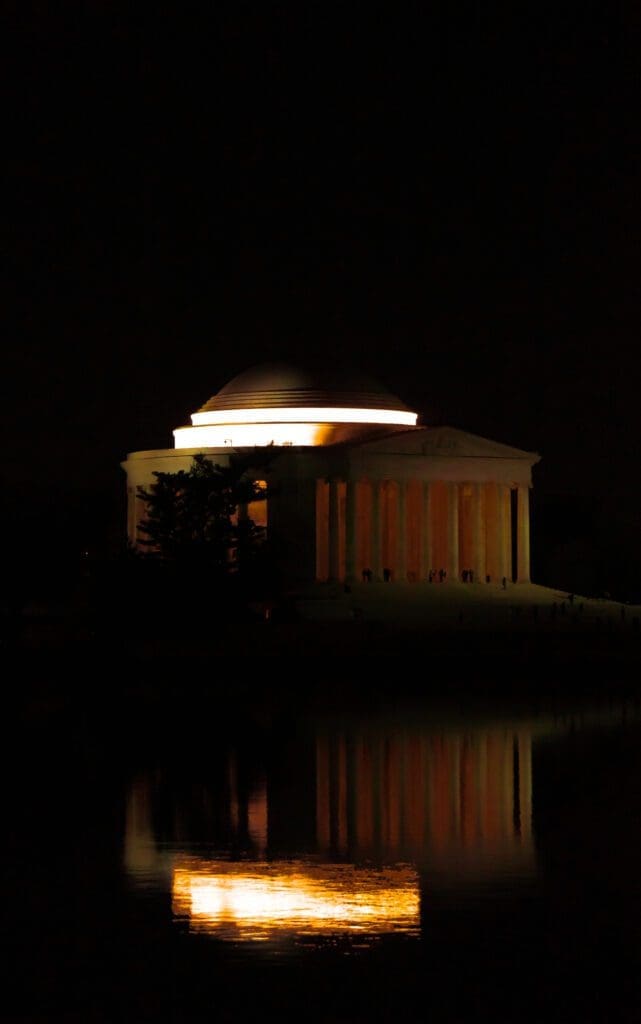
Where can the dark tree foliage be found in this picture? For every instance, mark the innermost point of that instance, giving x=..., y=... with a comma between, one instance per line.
x=193, y=516
x=194, y=531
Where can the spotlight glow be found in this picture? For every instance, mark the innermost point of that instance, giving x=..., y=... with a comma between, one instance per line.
x=281, y=415
x=248, y=435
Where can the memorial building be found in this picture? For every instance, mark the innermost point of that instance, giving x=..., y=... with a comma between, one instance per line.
x=358, y=488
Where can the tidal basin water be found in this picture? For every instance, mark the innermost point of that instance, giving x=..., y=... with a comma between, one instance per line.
x=194, y=861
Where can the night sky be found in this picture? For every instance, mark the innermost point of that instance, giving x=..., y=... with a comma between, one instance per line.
x=449, y=199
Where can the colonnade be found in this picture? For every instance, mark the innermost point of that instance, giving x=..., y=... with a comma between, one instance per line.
x=400, y=530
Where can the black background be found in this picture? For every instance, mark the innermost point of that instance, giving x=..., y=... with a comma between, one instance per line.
x=449, y=197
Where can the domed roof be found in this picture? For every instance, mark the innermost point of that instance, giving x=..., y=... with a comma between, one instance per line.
x=285, y=385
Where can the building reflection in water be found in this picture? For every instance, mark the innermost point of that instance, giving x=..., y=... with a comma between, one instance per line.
x=459, y=801
x=394, y=811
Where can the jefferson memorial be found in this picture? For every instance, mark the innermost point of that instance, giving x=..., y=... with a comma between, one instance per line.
x=358, y=488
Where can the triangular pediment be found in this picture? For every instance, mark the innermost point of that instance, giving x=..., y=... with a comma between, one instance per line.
x=446, y=442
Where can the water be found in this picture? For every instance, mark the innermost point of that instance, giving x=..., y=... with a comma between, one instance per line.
x=194, y=861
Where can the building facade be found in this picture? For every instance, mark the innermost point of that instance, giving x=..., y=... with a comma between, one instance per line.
x=359, y=490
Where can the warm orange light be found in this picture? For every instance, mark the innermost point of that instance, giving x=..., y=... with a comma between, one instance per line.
x=258, y=900
x=248, y=435
x=304, y=415
x=246, y=428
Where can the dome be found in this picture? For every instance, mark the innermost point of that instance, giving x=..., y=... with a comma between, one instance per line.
x=290, y=404
x=284, y=385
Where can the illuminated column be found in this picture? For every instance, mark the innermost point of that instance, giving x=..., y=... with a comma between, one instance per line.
x=350, y=531
x=479, y=534
x=426, y=531
x=377, y=531
x=452, y=532
x=334, y=536
x=523, y=534
x=401, y=531
x=502, y=497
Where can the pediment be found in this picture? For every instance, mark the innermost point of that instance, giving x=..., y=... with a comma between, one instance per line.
x=446, y=442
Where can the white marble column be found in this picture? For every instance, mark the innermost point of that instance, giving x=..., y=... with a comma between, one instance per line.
x=377, y=531
x=401, y=531
x=523, y=533
x=334, y=531
x=452, y=533
x=502, y=532
x=478, y=534
x=350, y=531
x=426, y=531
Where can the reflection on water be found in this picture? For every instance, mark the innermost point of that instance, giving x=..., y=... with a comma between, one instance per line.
x=348, y=828
x=347, y=867
x=257, y=901
x=456, y=801
x=381, y=814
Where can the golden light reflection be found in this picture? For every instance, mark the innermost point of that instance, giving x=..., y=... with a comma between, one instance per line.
x=260, y=901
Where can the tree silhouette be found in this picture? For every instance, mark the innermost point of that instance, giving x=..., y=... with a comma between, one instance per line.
x=195, y=527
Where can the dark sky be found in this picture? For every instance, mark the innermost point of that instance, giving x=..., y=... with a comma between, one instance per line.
x=450, y=199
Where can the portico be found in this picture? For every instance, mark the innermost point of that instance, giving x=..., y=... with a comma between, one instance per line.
x=425, y=500
x=412, y=527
